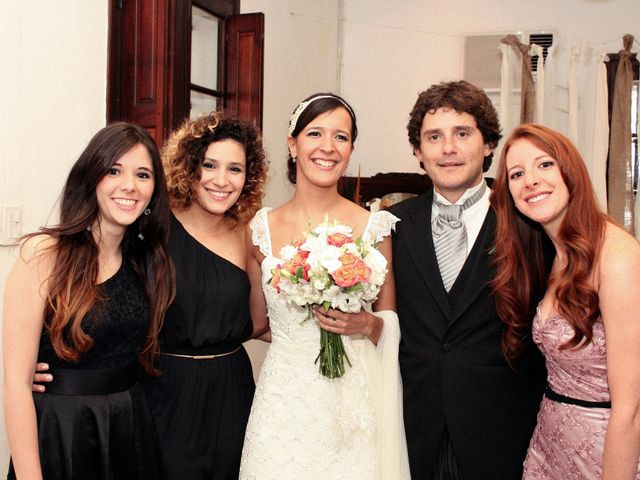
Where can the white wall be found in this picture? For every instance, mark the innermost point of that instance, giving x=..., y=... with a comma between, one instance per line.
x=52, y=100
x=53, y=58
x=300, y=59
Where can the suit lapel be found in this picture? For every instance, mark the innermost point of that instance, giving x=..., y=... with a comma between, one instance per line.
x=476, y=271
x=418, y=240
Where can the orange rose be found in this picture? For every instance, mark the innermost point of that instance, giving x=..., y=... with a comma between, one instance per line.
x=348, y=259
x=363, y=272
x=338, y=239
x=345, y=276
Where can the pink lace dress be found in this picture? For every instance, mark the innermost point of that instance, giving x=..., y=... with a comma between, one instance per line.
x=568, y=442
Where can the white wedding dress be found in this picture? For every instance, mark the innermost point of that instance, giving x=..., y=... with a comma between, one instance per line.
x=304, y=426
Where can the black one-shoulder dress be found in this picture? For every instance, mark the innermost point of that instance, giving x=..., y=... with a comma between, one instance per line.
x=201, y=405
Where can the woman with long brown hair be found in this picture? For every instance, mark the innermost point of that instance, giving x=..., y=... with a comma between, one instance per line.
x=88, y=297
x=587, y=324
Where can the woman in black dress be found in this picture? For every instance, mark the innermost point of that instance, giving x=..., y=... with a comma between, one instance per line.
x=88, y=297
x=215, y=169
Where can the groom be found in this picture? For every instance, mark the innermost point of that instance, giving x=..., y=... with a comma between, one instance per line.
x=468, y=414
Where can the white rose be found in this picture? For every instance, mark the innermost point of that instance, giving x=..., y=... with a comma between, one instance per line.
x=319, y=279
x=326, y=257
x=313, y=243
x=288, y=252
x=338, y=228
x=377, y=263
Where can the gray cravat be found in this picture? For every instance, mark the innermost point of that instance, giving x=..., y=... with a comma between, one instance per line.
x=450, y=237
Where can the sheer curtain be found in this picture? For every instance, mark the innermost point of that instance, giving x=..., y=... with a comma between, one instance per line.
x=554, y=95
x=540, y=84
x=510, y=81
x=600, y=148
x=574, y=63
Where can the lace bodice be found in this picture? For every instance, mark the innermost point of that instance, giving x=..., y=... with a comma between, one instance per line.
x=287, y=321
x=118, y=326
x=578, y=373
x=304, y=425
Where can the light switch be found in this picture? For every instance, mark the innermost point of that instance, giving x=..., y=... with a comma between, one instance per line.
x=10, y=224
x=14, y=216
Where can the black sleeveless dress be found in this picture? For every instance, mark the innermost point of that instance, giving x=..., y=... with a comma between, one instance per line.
x=93, y=420
x=200, y=406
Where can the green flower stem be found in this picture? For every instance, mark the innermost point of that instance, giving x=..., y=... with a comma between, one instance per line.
x=332, y=355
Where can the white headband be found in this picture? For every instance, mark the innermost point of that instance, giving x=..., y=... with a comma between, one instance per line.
x=293, y=120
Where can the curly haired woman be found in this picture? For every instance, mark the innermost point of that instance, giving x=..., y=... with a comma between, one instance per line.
x=215, y=167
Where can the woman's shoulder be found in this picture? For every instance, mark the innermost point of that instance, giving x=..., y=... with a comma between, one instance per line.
x=35, y=261
x=620, y=256
x=37, y=247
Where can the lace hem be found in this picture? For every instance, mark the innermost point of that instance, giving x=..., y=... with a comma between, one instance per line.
x=260, y=231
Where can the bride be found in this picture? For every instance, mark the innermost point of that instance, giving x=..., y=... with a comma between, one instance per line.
x=304, y=425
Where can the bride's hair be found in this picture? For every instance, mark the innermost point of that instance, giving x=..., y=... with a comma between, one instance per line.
x=310, y=108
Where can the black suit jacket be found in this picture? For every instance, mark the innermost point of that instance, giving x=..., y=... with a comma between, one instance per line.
x=454, y=375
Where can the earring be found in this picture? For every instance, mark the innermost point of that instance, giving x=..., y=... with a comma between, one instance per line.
x=295, y=159
x=141, y=236
x=147, y=212
x=88, y=228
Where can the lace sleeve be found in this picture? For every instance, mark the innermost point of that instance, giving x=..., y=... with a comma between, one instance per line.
x=380, y=225
x=260, y=231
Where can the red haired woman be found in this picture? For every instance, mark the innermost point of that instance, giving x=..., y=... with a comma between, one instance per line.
x=587, y=323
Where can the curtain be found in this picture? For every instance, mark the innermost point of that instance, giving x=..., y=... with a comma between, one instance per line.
x=600, y=148
x=509, y=89
x=554, y=96
x=620, y=181
x=574, y=63
x=527, y=85
x=540, y=84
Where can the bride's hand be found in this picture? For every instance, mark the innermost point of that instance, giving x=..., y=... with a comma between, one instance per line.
x=363, y=322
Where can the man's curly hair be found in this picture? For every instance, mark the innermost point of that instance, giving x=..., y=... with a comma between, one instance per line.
x=463, y=97
x=183, y=154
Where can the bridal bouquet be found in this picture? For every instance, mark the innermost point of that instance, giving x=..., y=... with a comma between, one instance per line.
x=329, y=268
